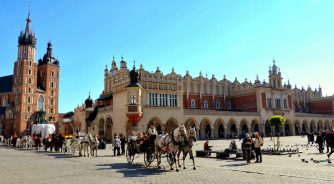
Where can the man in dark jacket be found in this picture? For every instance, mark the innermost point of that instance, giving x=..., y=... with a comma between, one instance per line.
x=320, y=142
x=327, y=140
x=331, y=141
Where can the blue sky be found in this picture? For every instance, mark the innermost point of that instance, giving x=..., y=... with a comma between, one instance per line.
x=236, y=38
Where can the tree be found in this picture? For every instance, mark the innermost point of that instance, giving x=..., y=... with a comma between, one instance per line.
x=277, y=121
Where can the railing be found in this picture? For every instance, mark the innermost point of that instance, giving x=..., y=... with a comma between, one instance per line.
x=223, y=113
x=314, y=115
x=104, y=109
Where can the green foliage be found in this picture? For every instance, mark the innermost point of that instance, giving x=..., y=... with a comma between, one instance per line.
x=277, y=120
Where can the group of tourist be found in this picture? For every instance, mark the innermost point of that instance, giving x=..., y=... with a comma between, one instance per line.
x=248, y=145
x=252, y=143
x=325, y=138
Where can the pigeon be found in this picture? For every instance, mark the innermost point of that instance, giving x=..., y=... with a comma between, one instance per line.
x=306, y=161
x=329, y=161
x=303, y=160
x=311, y=159
x=298, y=155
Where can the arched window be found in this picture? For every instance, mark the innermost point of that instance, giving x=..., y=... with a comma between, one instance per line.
x=29, y=99
x=41, y=103
x=52, y=93
x=29, y=90
x=52, y=73
x=28, y=108
x=193, y=103
x=29, y=81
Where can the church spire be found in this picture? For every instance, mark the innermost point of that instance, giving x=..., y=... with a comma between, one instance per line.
x=27, y=31
x=27, y=37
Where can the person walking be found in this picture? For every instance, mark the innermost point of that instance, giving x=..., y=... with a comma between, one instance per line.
x=247, y=146
x=123, y=141
x=258, y=142
x=331, y=141
x=320, y=142
x=327, y=140
x=117, y=145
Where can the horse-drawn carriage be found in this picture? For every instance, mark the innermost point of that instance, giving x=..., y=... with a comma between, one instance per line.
x=145, y=147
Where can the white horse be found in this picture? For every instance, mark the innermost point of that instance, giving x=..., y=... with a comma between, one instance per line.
x=94, y=144
x=188, y=148
x=170, y=143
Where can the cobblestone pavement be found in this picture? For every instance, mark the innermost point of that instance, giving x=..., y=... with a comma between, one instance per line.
x=24, y=166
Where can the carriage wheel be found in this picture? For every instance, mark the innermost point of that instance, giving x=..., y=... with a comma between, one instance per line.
x=170, y=159
x=149, y=157
x=129, y=155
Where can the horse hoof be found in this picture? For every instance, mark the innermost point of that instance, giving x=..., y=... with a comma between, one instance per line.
x=177, y=170
x=179, y=165
x=184, y=168
x=194, y=168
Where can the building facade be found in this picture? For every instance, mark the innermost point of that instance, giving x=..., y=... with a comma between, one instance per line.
x=32, y=87
x=134, y=99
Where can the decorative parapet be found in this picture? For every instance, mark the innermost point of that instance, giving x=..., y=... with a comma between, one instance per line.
x=314, y=115
x=222, y=113
x=105, y=109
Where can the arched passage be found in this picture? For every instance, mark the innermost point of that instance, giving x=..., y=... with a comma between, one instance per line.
x=205, y=129
x=244, y=127
x=268, y=128
x=108, y=132
x=305, y=127
x=288, y=128
x=327, y=125
x=297, y=127
x=255, y=126
x=219, y=129
x=321, y=126
x=313, y=127
x=157, y=123
x=171, y=125
x=232, y=128
x=101, y=128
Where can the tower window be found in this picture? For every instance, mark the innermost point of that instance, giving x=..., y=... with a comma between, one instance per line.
x=29, y=90
x=52, y=73
x=29, y=71
x=29, y=81
x=28, y=108
x=52, y=93
x=25, y=52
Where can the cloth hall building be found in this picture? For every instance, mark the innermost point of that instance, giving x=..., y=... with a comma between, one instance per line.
x=134, y=99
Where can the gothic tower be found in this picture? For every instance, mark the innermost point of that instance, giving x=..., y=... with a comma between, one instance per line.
x=24, y=79
x=48, y=84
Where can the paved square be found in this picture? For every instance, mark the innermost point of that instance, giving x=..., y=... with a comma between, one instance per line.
x=23, y=166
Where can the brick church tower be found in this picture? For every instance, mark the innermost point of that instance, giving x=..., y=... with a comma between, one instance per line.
x=35, y=86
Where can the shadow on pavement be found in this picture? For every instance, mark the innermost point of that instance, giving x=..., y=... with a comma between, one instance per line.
x=131, y=170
